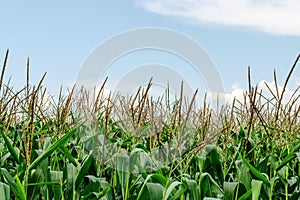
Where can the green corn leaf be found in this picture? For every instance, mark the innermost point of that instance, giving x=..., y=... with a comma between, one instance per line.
x=105, y=192
x=83, y=170
x=244, y=175
x=256, y=173
x=92, y=195
x=194, y=192
x=140, y=167
x=68, y=155
x=160, y=179
x=292, y=155
x=4, y=158
x=246, y=196
x=155, y=190
x=208, y=185
x=71, y=178
x=123, y=174
x=52, y=148
x=230, y=190
x=286, y=160
x=140, y=194
x=296, y=147
x=42, y=184
x=20, y=187
x=215, y=162
x=256, y=188
x=10, y=147
x=168, y=190
x=57, y=177
x=180, y=192
x=4, y=191
x=33, y=182
x=16, y=188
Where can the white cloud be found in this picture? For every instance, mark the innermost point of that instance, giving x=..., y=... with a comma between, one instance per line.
x=273, y=16
x=239, y=93
x=288, y=93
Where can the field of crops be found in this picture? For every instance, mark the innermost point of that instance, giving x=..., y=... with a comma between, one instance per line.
x=112, y=147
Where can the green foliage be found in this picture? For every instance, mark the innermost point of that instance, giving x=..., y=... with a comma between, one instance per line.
x=142, y=149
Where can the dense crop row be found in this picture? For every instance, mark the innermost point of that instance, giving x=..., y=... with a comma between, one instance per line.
x=141, y=148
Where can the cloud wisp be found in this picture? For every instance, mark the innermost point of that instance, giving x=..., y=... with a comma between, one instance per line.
x=272, y=16
x=266, y=88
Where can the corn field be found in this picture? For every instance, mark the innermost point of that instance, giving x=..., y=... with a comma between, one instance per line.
x=114, y=147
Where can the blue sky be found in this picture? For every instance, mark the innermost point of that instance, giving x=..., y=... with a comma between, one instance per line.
x=59, y=35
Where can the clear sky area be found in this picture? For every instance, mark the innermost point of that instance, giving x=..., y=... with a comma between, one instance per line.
x=58, y=36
